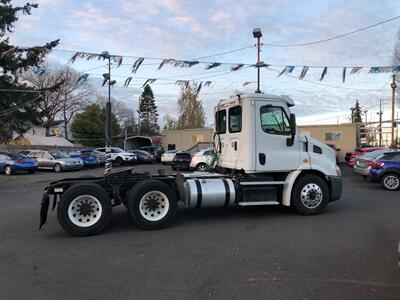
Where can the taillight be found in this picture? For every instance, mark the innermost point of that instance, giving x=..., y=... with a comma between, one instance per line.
x=377, y=164
x=369, y=162
x=19, y=161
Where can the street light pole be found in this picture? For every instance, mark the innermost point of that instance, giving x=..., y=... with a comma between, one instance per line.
x=257, y=34
x=393, y=86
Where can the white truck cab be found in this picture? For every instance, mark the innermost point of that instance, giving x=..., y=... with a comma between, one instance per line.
x=254, y=135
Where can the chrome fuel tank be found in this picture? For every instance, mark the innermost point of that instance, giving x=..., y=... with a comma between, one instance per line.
x=204, y=192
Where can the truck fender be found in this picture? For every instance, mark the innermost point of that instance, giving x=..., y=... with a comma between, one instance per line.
x=288, y=186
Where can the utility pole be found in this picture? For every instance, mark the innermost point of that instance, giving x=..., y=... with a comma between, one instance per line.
x=257, y=34
x=380, y=122
x=393, y=85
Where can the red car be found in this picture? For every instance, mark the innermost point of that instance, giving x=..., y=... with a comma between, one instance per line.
x=359, y=152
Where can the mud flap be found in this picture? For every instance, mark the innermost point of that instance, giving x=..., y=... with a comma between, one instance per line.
x=44, y=209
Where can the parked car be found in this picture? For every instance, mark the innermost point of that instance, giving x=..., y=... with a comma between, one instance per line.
x=201, y=160
x=181, y=161
x=120, y=156
x=167, y=157
x=88, y=157
x=56, y=160
x=386, y=169
x=155, y=150
x=360, y=152
x=363, y=163
x=101, y=157
x=11, y=163
x=143, y=156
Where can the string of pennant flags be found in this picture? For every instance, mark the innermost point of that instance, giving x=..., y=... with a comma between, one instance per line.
x=118, y=61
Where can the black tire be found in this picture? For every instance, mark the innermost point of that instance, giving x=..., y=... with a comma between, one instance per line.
x=57, y=168
x=201, y=167
x=119, y=161
x=70, y=195
x=139, y=191
x=391, y=182
x=31, y=171
x=314, y=191
x=8, y=170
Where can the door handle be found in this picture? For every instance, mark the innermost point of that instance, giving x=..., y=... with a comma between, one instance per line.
x=234, y=145
x=261, y=158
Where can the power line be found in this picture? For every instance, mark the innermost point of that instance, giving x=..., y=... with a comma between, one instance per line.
x=333, y=37
x=223, y=53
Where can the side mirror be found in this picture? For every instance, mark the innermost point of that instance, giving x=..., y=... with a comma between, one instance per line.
x=292, y=124
x=338, y=149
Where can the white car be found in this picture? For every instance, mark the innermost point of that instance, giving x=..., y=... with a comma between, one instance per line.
x=120, y=156
x=201, y=160
x=167, y=157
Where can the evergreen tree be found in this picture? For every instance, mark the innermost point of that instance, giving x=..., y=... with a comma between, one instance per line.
x=191, y=113
x=90, y=125
x=148, y=113
x=17, y=109
x=356, y=113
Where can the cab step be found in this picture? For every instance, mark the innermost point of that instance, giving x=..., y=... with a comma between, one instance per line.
x=255, y=203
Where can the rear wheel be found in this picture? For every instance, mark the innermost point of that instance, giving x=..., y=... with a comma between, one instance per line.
x=310, y=195
x=152, y=204
x=201, y=167
x=84, y=209
x=8, y=170
x=57, y=168
x=391, y=182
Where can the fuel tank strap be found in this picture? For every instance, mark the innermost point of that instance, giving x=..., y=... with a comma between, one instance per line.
x=199, y=193
x=227, y=193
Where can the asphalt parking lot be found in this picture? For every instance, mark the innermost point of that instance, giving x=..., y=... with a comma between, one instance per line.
x=349, y=252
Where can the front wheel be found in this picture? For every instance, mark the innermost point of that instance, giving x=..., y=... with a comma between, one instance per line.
x=391, y=182
x=310, y=195
x=57, y=168
x=201, y=167
x=84, y=209
x=152, y=204
x=119, y=161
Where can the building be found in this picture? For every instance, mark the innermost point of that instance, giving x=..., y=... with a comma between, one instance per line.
x=344, y=136
x=186, y=138
x=36, y=136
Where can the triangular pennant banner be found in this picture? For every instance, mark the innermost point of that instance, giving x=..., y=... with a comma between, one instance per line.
x=207, y=83
x=396, y=69
x=344, y=74
x=199, y=87
x=137, y=64
x=374, y=70
x=184, y=83
x=149, y=81
x=165, y=61
x=127, y=81
x=237, y=67
x=82, y=78
x=213, y=65
x=303, y=72
x=355, y=70
x=323, y=73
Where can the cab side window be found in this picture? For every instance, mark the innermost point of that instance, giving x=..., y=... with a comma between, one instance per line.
x=235, y=119
x=220, y=121
x=274, y=120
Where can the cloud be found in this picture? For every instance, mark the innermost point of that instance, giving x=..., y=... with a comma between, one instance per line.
x=189, y=23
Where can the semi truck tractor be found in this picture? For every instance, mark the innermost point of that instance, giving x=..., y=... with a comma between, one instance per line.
x=260, y=159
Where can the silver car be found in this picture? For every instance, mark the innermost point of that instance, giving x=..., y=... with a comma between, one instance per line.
x=363, y=163
x=56, y=160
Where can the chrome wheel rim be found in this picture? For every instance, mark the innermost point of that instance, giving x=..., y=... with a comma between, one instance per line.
x=8, y=170
x=391, y=182
x=85, y=210
x=57, y=168
x=154, y=206
x=311, y=195
x=202, y=167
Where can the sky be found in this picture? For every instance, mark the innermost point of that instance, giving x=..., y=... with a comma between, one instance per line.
x=194, y=29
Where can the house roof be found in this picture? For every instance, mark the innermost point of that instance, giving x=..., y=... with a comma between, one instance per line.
x=36, y=140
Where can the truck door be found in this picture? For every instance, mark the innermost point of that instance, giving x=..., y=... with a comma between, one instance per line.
x=272, y=132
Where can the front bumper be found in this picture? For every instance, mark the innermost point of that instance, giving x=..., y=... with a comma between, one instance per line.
x=336, y=187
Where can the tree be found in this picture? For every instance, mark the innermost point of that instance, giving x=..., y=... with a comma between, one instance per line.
x=356, y=113
x=169, y=123
x=191, y=113
x=148, y=114
x=125, y=116
x=89, y=126
x=17, y=109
